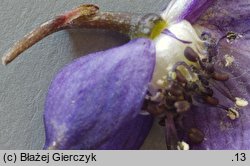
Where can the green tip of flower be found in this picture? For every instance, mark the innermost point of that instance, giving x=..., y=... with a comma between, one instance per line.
x=158, y=28
x=149, y=26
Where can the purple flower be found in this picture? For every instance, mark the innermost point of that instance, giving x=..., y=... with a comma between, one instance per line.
x=191, y=75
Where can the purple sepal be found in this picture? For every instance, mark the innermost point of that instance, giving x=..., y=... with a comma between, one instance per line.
x=131, y=136
x=97, y=96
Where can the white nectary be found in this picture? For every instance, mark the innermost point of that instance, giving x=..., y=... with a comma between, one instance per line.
x=169, y=50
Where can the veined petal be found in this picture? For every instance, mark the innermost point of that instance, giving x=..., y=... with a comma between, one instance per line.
x=220, y=132
x=95, y=97
x=227, y=15
x=227, y=22
x=179, y=10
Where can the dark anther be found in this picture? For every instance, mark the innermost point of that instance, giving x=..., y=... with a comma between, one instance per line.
x=180, y=77
x=188, y=97
x=196, y=136
x=208, y=67
x=182, y=106
x=205, y=36
x=192, y=86
x=191, y=55
x=231, y=36
x=162, y=122
x=220, y=76
x=211, y=100
x=203, y=80
x=174, y=89
x=170, y=100
x=155, y=110
x=208, y=91
x=212, y=52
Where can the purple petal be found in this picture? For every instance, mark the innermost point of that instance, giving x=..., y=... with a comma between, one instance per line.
x=97, y=96
x=227, y=15
x=222, y=133
x=190, y=10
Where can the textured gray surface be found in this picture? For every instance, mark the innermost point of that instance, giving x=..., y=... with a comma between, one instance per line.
x=24, y=83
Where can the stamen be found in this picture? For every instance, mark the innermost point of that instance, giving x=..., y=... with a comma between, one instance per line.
x=189, y=74
x=196, y=136
x=231, y=36
x=155, y=110
x=241, y=102
x=162, y=122
x=233, y=114
x=183, y=146
x=182, y=106
x=180, y=77
x=228, y=60
x=191, y=55
x=161, y=83
x=170, y=132
x=211, y=100
x=220, y=76
x=223, y=91
x=208, y=91
x=174, y=88
x=203, y=80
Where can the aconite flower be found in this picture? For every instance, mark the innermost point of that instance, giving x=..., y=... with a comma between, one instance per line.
x=187, y=68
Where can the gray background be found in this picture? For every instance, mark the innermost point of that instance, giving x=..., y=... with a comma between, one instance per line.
x=24, y=83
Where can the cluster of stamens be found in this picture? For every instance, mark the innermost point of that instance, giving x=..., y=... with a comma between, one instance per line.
x=187, y=85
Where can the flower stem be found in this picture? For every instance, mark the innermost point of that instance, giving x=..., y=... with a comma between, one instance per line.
x=84, y=16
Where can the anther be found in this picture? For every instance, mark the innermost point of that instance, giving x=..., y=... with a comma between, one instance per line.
x=211, y=100
x=182, y=106
x=241, y=102
x=228, y=60
x=220, y=76
x=174, y=89
x=170, y=100
x=233, y=113
x=208, y=91
x=231, y=36
x=195, y=135
x=203, y=80
x=208, y=67
x=182, y=146
x=191, y=55
x=155, y=110
x=180, y=77
x=162, y=122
